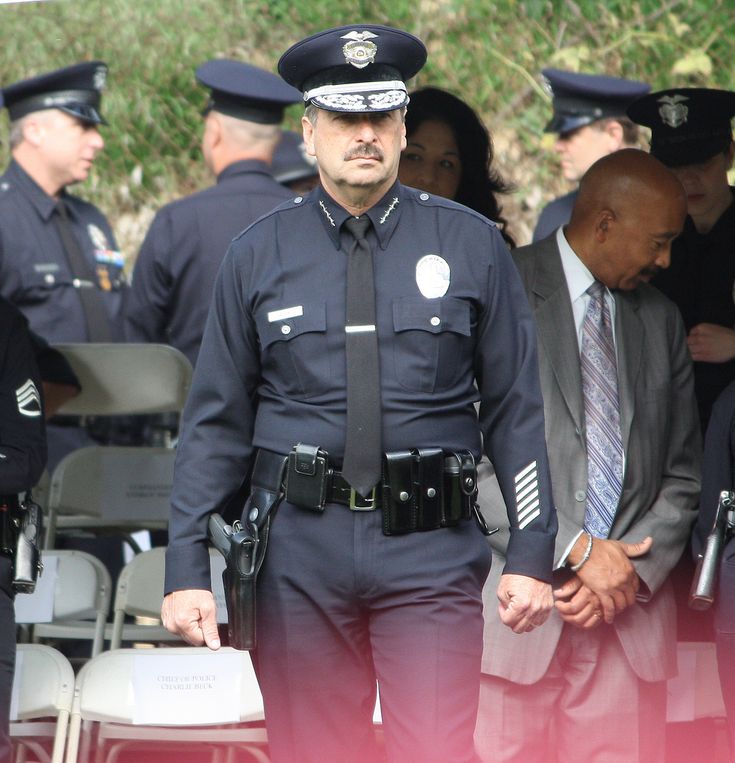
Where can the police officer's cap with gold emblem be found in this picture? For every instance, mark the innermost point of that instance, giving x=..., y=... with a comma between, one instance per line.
x=244, y=91
x=580, y=99
x=688, y=125
x=355, y=68
x=75, y=90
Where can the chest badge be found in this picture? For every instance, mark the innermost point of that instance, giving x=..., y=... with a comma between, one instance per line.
x=433, y=276
x=97, y=237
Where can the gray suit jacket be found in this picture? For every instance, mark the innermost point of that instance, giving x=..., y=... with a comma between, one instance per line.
x=662, y=451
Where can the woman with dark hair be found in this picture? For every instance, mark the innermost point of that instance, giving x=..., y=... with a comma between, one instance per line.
x=449, y=153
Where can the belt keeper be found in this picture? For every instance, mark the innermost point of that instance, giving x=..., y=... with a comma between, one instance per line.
x=467, y=472
x=587, y=553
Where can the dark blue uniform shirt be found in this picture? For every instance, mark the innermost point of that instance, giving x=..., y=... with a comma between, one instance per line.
x=272, y=369
x=701, y=281
x=183, y=250
x=34, y=271
x=555, y=213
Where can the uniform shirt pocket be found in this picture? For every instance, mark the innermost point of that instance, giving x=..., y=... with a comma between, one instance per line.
x=295, y=348
x=36, y=285
x=430, y=346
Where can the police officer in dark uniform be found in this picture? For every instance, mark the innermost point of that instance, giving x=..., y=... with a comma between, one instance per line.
x=351, y=333
x=59, y=262
x=178, y=262
x=590, y=122
x=22, y=459
x=54, y=139
x=692, y=135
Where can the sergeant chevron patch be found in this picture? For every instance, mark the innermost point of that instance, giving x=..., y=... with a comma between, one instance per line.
x=527, y=502
x=29, y=401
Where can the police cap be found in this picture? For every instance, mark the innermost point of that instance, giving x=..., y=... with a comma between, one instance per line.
x=290, y=160
x=74, y=89
x=243, y=91
x=688, y=125
x=355, y=68
x=580, y=99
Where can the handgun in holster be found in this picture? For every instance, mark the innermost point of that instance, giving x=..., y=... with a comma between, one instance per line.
x=21, y=531
x=243, y=544
x=704, y=583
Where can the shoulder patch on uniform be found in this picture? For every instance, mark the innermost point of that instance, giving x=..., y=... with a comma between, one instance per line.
x=29, y=401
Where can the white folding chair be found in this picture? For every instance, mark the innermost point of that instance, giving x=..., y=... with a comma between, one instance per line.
x=43, y=688
x=120, y=379
x=139, y=594
x=110, y=489
x=124, y=700
x=81, y=599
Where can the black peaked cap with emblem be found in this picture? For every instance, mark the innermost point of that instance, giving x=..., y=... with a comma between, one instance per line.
x=580, y=99
x=355, y=68
x=244, y=91
x=74, y=89
x=688, y=124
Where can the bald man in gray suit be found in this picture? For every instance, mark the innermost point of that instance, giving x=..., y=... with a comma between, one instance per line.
x=589, y=684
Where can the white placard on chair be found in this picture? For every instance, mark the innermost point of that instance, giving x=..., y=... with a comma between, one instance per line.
x=38, y=607
x=181, y=690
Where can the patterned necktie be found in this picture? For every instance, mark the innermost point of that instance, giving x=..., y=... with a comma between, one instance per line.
x=363, y=454
x=602, y=415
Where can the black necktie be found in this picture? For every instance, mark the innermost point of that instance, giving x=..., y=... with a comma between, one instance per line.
x=363, y=454
x=85, y=279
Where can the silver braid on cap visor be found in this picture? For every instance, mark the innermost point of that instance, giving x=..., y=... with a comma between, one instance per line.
x=382, y=95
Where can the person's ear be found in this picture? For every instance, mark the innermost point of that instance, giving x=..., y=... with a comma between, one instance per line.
x=604, y=224
x=308, y=132
x=614, y=131
x=33, y=132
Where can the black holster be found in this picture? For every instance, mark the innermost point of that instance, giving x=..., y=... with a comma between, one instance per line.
x=21, y=532
x=244, y=545
x=425, y=489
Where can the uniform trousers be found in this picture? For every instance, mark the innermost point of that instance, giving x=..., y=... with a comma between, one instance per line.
x=341, y=606
x=589, y=707
x=7, y=655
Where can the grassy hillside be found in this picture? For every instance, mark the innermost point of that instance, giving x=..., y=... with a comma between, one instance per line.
x=490, y=53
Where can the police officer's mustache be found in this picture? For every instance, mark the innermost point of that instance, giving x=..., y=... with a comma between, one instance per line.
x=364, y=151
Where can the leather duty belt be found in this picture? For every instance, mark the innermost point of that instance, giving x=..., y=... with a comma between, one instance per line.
x=420, y=489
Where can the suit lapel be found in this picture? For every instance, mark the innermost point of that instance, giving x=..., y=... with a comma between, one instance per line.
x=629, y=333
x=555, y=324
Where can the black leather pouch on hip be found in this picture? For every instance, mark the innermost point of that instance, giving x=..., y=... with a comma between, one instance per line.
x=399, y=501
x=306, y=477
x=413, y=491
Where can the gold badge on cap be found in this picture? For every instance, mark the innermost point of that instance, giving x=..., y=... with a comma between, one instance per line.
x=673, y=112
x=359, y=51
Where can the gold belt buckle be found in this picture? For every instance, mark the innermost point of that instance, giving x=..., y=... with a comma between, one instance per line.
x=358, y=503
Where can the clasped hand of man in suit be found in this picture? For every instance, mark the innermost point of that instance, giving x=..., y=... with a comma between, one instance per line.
x=604, y=586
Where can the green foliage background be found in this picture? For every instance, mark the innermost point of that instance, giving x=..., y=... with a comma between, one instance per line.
x=489, y=53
